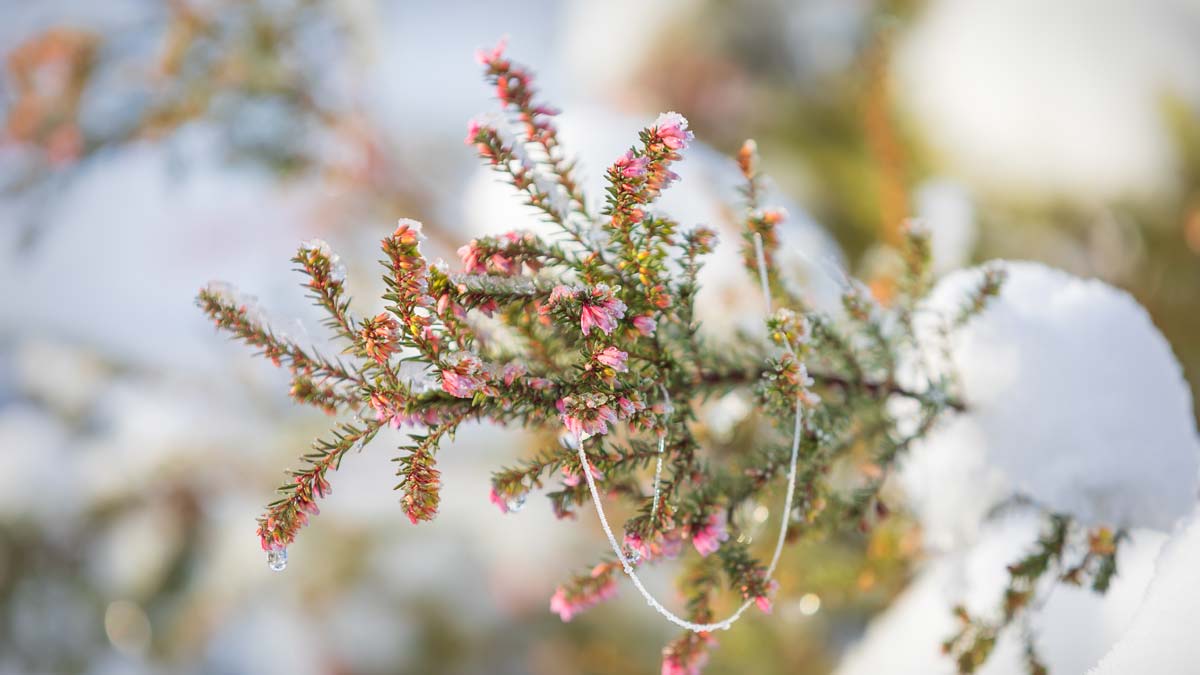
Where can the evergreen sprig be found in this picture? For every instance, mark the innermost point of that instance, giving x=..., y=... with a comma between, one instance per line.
x=593, y=339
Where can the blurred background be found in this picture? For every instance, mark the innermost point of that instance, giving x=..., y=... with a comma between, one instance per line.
x=151, y=146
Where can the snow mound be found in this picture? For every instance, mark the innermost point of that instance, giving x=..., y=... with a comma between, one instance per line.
x=1074, y=400
x=1073, y=628
x=1161, y=638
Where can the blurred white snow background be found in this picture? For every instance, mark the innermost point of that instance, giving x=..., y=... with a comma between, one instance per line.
x=139, y=446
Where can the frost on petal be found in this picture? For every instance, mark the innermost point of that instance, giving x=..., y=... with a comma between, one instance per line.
x=672, y=129
x=1074, y=400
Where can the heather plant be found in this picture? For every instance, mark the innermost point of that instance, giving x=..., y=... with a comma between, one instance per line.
x=590, y=336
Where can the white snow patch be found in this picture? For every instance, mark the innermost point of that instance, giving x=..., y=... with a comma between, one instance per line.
x=1075, y=400
x=1053, y=99
x=1162, y=637
x=1072, y=628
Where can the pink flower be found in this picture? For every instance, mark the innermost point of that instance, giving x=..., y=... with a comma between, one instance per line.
x=633, y=542
x=489, y=307
x=499, y=501
x=433, y=339
x=474, y=126
x=501, y=263
x=559, y=294
x=511, y=372
x=691, y=664
x=596, y=317
x=629, y=407
x=539, y=383
x=600, y=310
x=379, y=336
x=571, y=479
x=456, y=384
x=391, y=412
x=671, y=546
x=667, y=546
x=486, y=57
x=671, y=129
x=708, y=538
x=613, y=358
x=586, y=416
x=567, y=605
x=465, y=377
x=630, y=166
x=470, y=255
x=667, y=178
x=645, y=324
x=763, y=602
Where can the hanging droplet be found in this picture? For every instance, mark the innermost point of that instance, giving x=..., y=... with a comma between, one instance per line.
x=632, y=555
x=277, y=559
x=568, y=440
x=515, y=503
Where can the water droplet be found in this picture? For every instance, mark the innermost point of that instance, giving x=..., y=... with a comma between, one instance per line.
x=568, y=440
x=633, y=556
x=277, y=559
x=515, y=503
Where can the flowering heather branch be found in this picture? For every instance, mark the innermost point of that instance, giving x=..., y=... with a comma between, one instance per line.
x=419, y=479
x=585, y=591
x=240, y=317
x=327, y=278
x=515, y=91
x=595, y=343
x=285, y=516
